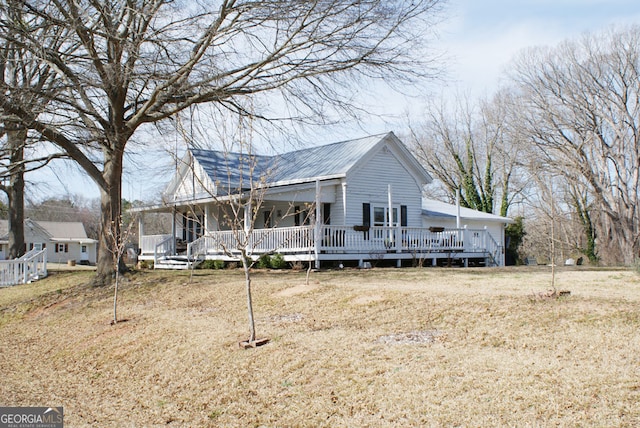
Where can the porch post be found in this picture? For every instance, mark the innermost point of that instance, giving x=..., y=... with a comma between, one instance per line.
x=173, y=226
x=140, y=228
x=318, y=225
x=205, y=226
x=458, y=208
x=390, y=215
x=344, y=203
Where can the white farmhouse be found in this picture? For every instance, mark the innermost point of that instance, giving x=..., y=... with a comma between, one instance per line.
x=353, y=202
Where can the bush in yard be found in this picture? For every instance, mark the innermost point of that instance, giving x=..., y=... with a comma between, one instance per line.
x=145, y=264
x=278, y=262
x=264, y=262
x=212, y=264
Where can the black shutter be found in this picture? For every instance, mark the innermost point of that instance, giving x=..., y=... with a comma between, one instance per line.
x=56, y=247
x=366, y=214
x=296, y=217
x=403, y=215
x=184, y=227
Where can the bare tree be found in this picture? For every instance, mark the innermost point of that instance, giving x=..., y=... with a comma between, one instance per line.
x=142, y=62
x=581, y=112
x=27, y=83
x=239, y=191
x=469, y=147
x=119, y=236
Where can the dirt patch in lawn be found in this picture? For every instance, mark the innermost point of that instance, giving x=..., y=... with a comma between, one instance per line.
x=367, y=299
x=296, y=290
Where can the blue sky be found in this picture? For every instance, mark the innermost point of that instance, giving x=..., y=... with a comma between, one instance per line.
x=479, y=37
x=482, y=36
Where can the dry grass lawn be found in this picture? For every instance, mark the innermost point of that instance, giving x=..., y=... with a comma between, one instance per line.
x=382, y=347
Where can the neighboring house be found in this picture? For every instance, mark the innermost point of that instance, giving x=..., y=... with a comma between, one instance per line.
x=350, y=187
x=63, y=241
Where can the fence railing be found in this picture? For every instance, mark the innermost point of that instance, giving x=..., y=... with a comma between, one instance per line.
x=30, y=267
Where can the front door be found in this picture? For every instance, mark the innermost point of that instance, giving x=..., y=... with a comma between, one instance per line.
x=192, y=227
x=84, y=254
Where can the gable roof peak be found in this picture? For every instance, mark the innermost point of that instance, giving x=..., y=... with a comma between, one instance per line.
x=328, y=160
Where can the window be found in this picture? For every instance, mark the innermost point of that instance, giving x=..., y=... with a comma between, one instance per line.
x=381, y=216
x=62, y=248
x=36, y=246
x=83, y=249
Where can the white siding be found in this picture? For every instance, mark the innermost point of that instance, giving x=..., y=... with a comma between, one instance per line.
x=369, y=184
x=193, y=186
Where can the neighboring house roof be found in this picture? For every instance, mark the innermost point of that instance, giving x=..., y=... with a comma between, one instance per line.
x=321, y=162
x=61, y=231
x=65, y=231
x=432, y=208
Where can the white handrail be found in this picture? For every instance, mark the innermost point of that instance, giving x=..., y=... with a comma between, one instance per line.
x=29, y=267
x=494, y=249
x=164, y=248
x=148, y=242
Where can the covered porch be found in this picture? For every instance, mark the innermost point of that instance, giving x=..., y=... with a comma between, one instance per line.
x=326, y=243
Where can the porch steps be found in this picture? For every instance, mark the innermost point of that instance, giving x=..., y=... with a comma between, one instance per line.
x=176, y=262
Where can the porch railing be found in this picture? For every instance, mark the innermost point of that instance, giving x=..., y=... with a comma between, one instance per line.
x=148, y=243
x=164, y=248
x=346, y=239
x=29, y=267
x=259, y=241
x=495, y=251
x=398, y=239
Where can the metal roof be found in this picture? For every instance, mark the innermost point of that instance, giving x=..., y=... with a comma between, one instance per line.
x=232, y=171
x=300, y=165
x=432, y=208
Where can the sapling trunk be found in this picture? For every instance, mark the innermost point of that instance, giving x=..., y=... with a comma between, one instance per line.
x=247, y=278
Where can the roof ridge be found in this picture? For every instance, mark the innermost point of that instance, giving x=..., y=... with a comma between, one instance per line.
x=379, y=136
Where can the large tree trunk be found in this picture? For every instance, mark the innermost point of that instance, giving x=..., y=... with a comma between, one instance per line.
x=110, y=215
x=16, y=138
